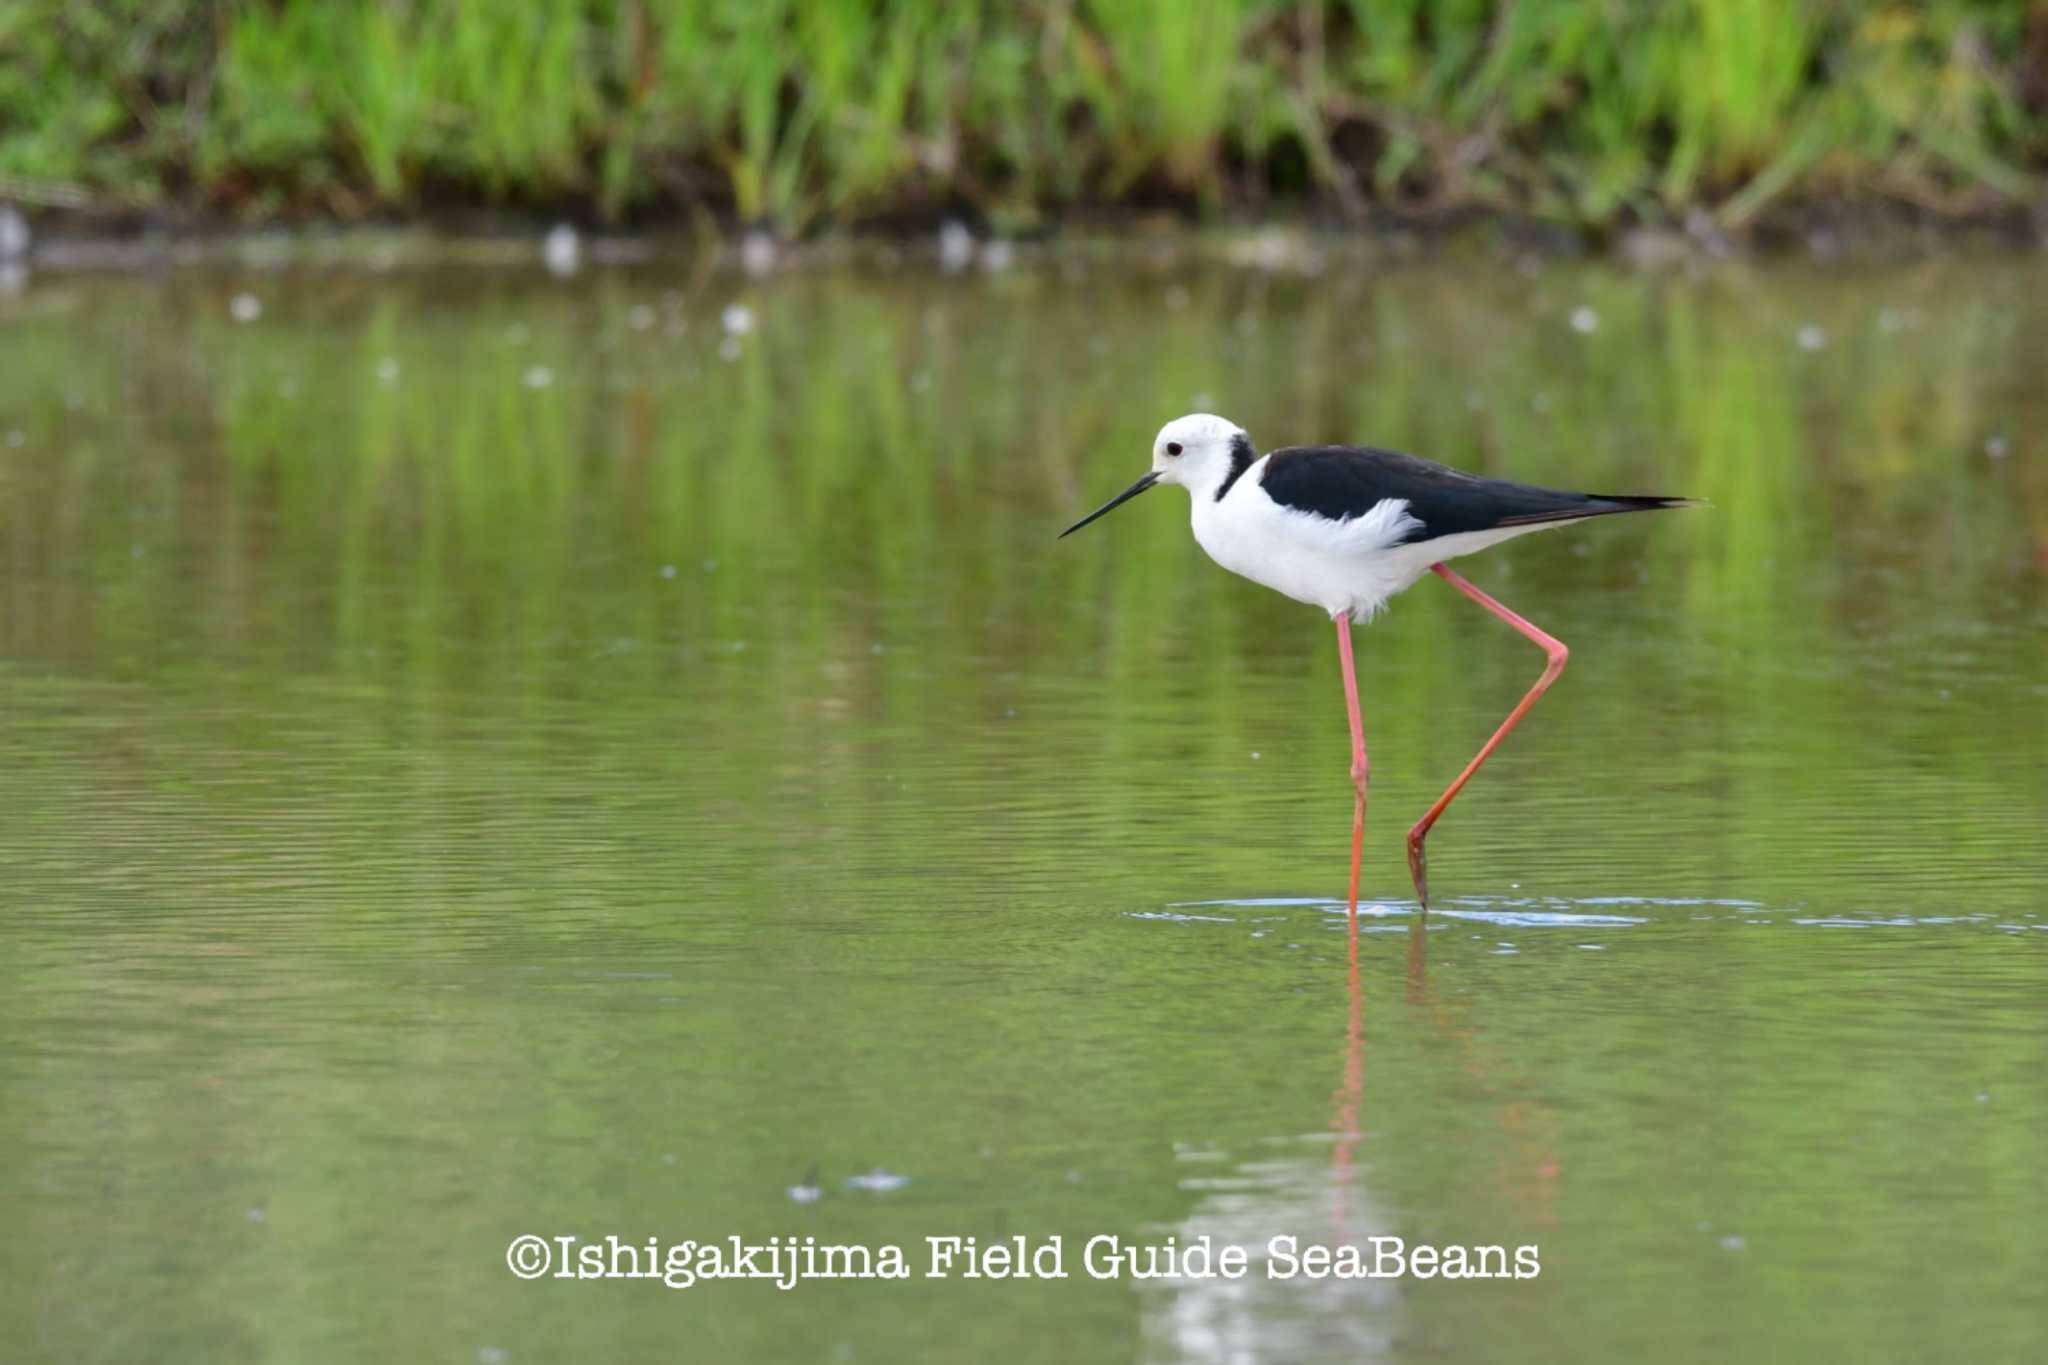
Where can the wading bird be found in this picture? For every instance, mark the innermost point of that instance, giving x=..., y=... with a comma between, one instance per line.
x=1344, y=528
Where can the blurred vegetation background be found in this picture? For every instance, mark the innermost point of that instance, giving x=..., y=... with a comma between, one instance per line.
x=794, y=114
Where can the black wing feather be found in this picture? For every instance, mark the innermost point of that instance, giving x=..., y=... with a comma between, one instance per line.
x=1341, y=482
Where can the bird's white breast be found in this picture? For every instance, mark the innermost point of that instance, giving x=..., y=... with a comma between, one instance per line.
x=1351, y=566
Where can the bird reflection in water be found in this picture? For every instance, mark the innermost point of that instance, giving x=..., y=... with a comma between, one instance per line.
x=1263, y=1316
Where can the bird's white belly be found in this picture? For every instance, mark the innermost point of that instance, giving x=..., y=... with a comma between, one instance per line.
x=1351, y=567
x=1322, y=580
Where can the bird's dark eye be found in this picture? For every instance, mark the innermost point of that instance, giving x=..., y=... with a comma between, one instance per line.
x=1173, y=447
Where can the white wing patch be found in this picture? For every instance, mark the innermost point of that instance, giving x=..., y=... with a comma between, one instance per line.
x=1383, y=525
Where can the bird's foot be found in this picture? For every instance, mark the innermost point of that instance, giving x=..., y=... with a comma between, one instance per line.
x=1418, y=865
x=1359, y=773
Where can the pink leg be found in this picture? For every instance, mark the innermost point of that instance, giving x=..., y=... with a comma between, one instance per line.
x=1359, y=767
x=1357, y=847
x=1360, y=770
x=1417, y=863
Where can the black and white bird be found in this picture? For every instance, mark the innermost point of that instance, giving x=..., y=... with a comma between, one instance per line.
x=1344, y=528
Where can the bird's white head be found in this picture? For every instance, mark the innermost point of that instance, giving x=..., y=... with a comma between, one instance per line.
x=1198, y=452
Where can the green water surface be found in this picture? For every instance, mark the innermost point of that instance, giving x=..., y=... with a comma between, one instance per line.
x=483, y=755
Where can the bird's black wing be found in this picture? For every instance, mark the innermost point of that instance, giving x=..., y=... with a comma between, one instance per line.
x=1341, y=482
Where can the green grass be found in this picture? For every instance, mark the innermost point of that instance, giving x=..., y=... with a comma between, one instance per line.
x=797, y=114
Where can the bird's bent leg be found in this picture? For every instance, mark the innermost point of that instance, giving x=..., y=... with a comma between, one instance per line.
x=1360, y=769
x=1418, y=866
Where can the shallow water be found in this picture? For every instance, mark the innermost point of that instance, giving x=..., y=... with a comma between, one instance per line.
x=484, y=756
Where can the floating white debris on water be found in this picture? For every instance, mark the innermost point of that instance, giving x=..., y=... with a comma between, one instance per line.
x=998, y=255
x=1275, y=249
x=759, y=252
x=808, y=1190
x=956, y=245
x=538, y=377
x=1585, y=321
x=668, y=571
x=640, y=317
x=562, y=250
x=245, y=308
x=387, y=370
x=1891, y=320
x=14, y=234
x=1996, y=447
x=1732, y=1242
x=15, y=438
x=877, y=1180
x=256, y=1214
x=1812, y=337
x=1652, y=249
x=493, y=1355
x=729, y=349
x=737, y=319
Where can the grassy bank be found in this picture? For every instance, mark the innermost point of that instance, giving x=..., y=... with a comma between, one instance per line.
x=807, y=113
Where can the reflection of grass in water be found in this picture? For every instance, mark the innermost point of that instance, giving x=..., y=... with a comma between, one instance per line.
x=397, y=726
x=883, y=463
x=339, y=811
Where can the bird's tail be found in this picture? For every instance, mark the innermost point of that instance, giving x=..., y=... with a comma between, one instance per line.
x=1603, y=505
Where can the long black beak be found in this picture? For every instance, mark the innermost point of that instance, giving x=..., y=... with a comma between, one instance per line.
x=1110, y=506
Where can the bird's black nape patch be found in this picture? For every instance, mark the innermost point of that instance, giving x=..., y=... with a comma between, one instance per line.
x=1241, y=457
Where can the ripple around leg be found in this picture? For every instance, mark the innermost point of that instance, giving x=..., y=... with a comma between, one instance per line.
x=1518, y=913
